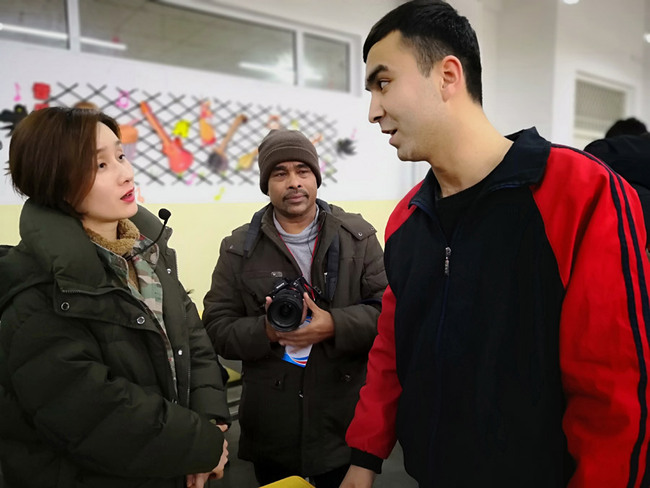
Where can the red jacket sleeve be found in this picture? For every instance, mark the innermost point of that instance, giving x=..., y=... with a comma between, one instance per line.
x=597, y=234
x=372, y=429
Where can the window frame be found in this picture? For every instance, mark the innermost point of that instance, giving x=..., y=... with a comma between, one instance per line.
x=299, y=31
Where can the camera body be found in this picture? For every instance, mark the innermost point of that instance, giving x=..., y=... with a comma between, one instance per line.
x=285, y=311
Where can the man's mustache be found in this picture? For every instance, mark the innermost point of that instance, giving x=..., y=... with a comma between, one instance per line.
x=293, y=193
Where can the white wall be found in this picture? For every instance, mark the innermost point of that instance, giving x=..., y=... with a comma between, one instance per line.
x=524, y=59
x=603, y=41
x=532, y=51
x=645, y=99
x=374, y=173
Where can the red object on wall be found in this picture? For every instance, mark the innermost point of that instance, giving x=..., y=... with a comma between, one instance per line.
x=41, y=91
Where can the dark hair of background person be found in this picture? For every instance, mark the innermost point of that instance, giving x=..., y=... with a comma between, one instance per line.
x=52, y=155
x=433, y=29
x=631, y=126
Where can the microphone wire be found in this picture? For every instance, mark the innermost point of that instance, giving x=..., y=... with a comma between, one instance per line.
x=164, y=215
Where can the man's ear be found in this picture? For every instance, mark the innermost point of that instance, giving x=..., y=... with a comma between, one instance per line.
x=452, y=77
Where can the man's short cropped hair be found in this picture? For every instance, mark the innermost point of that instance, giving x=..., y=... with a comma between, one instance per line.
x=433, y=29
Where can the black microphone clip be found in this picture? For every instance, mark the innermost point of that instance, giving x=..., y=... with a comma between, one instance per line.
x=164, y=215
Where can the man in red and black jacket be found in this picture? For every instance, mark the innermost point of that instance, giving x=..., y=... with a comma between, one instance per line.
x=513, y=340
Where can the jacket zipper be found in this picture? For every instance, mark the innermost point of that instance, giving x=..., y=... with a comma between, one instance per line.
x=168, y=266
x=189, y=360
x=301, y=395
x=447, y=256
x=438, y=344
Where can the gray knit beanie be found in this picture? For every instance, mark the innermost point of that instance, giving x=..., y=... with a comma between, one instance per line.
x=280, y=146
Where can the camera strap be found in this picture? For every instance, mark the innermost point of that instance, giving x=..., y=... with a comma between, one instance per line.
x=253, y=230
x=332, y=274
x=333, y=255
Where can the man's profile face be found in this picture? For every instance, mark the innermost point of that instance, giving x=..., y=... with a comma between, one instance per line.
x=292, y=189
x=405, y=103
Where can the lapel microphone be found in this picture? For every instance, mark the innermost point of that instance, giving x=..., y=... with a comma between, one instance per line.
x=164, y=215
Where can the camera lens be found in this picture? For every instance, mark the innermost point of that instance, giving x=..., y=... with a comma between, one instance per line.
x=285, y=311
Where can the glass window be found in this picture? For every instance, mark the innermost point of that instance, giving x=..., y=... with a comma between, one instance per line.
x=597, y=107
x=37, y=21
x=182, y=37
x=326, y=63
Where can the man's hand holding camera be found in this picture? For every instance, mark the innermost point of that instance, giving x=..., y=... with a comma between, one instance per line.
x=320, y=327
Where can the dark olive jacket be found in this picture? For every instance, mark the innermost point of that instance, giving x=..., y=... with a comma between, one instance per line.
x=295, y=417
x=86, y=392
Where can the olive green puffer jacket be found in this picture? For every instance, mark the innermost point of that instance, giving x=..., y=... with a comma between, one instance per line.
x=87, y=397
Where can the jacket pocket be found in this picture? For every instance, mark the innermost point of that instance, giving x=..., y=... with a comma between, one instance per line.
x=338, y=400
x=270, y=408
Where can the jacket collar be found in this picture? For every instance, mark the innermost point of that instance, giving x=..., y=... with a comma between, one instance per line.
x=524, y=164
x=62, y=249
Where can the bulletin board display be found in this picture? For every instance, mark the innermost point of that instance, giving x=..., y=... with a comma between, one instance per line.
x=191, y=136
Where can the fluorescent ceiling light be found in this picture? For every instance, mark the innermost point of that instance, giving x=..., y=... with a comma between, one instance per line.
x=33, y=32
x=99, y=43
x=277, y=70
x=285, y=73
x=61, y=36
x=646, y=36
x=571, y=2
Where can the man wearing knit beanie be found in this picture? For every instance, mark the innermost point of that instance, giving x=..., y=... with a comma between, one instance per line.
x=301, y=379
x=283, y=145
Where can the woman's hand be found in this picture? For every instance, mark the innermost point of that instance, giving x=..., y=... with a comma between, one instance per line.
x=198, y=480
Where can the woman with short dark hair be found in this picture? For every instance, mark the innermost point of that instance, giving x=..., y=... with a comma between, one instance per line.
x=107, y=377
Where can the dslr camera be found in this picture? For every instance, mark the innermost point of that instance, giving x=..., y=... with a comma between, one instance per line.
x=285, y=311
